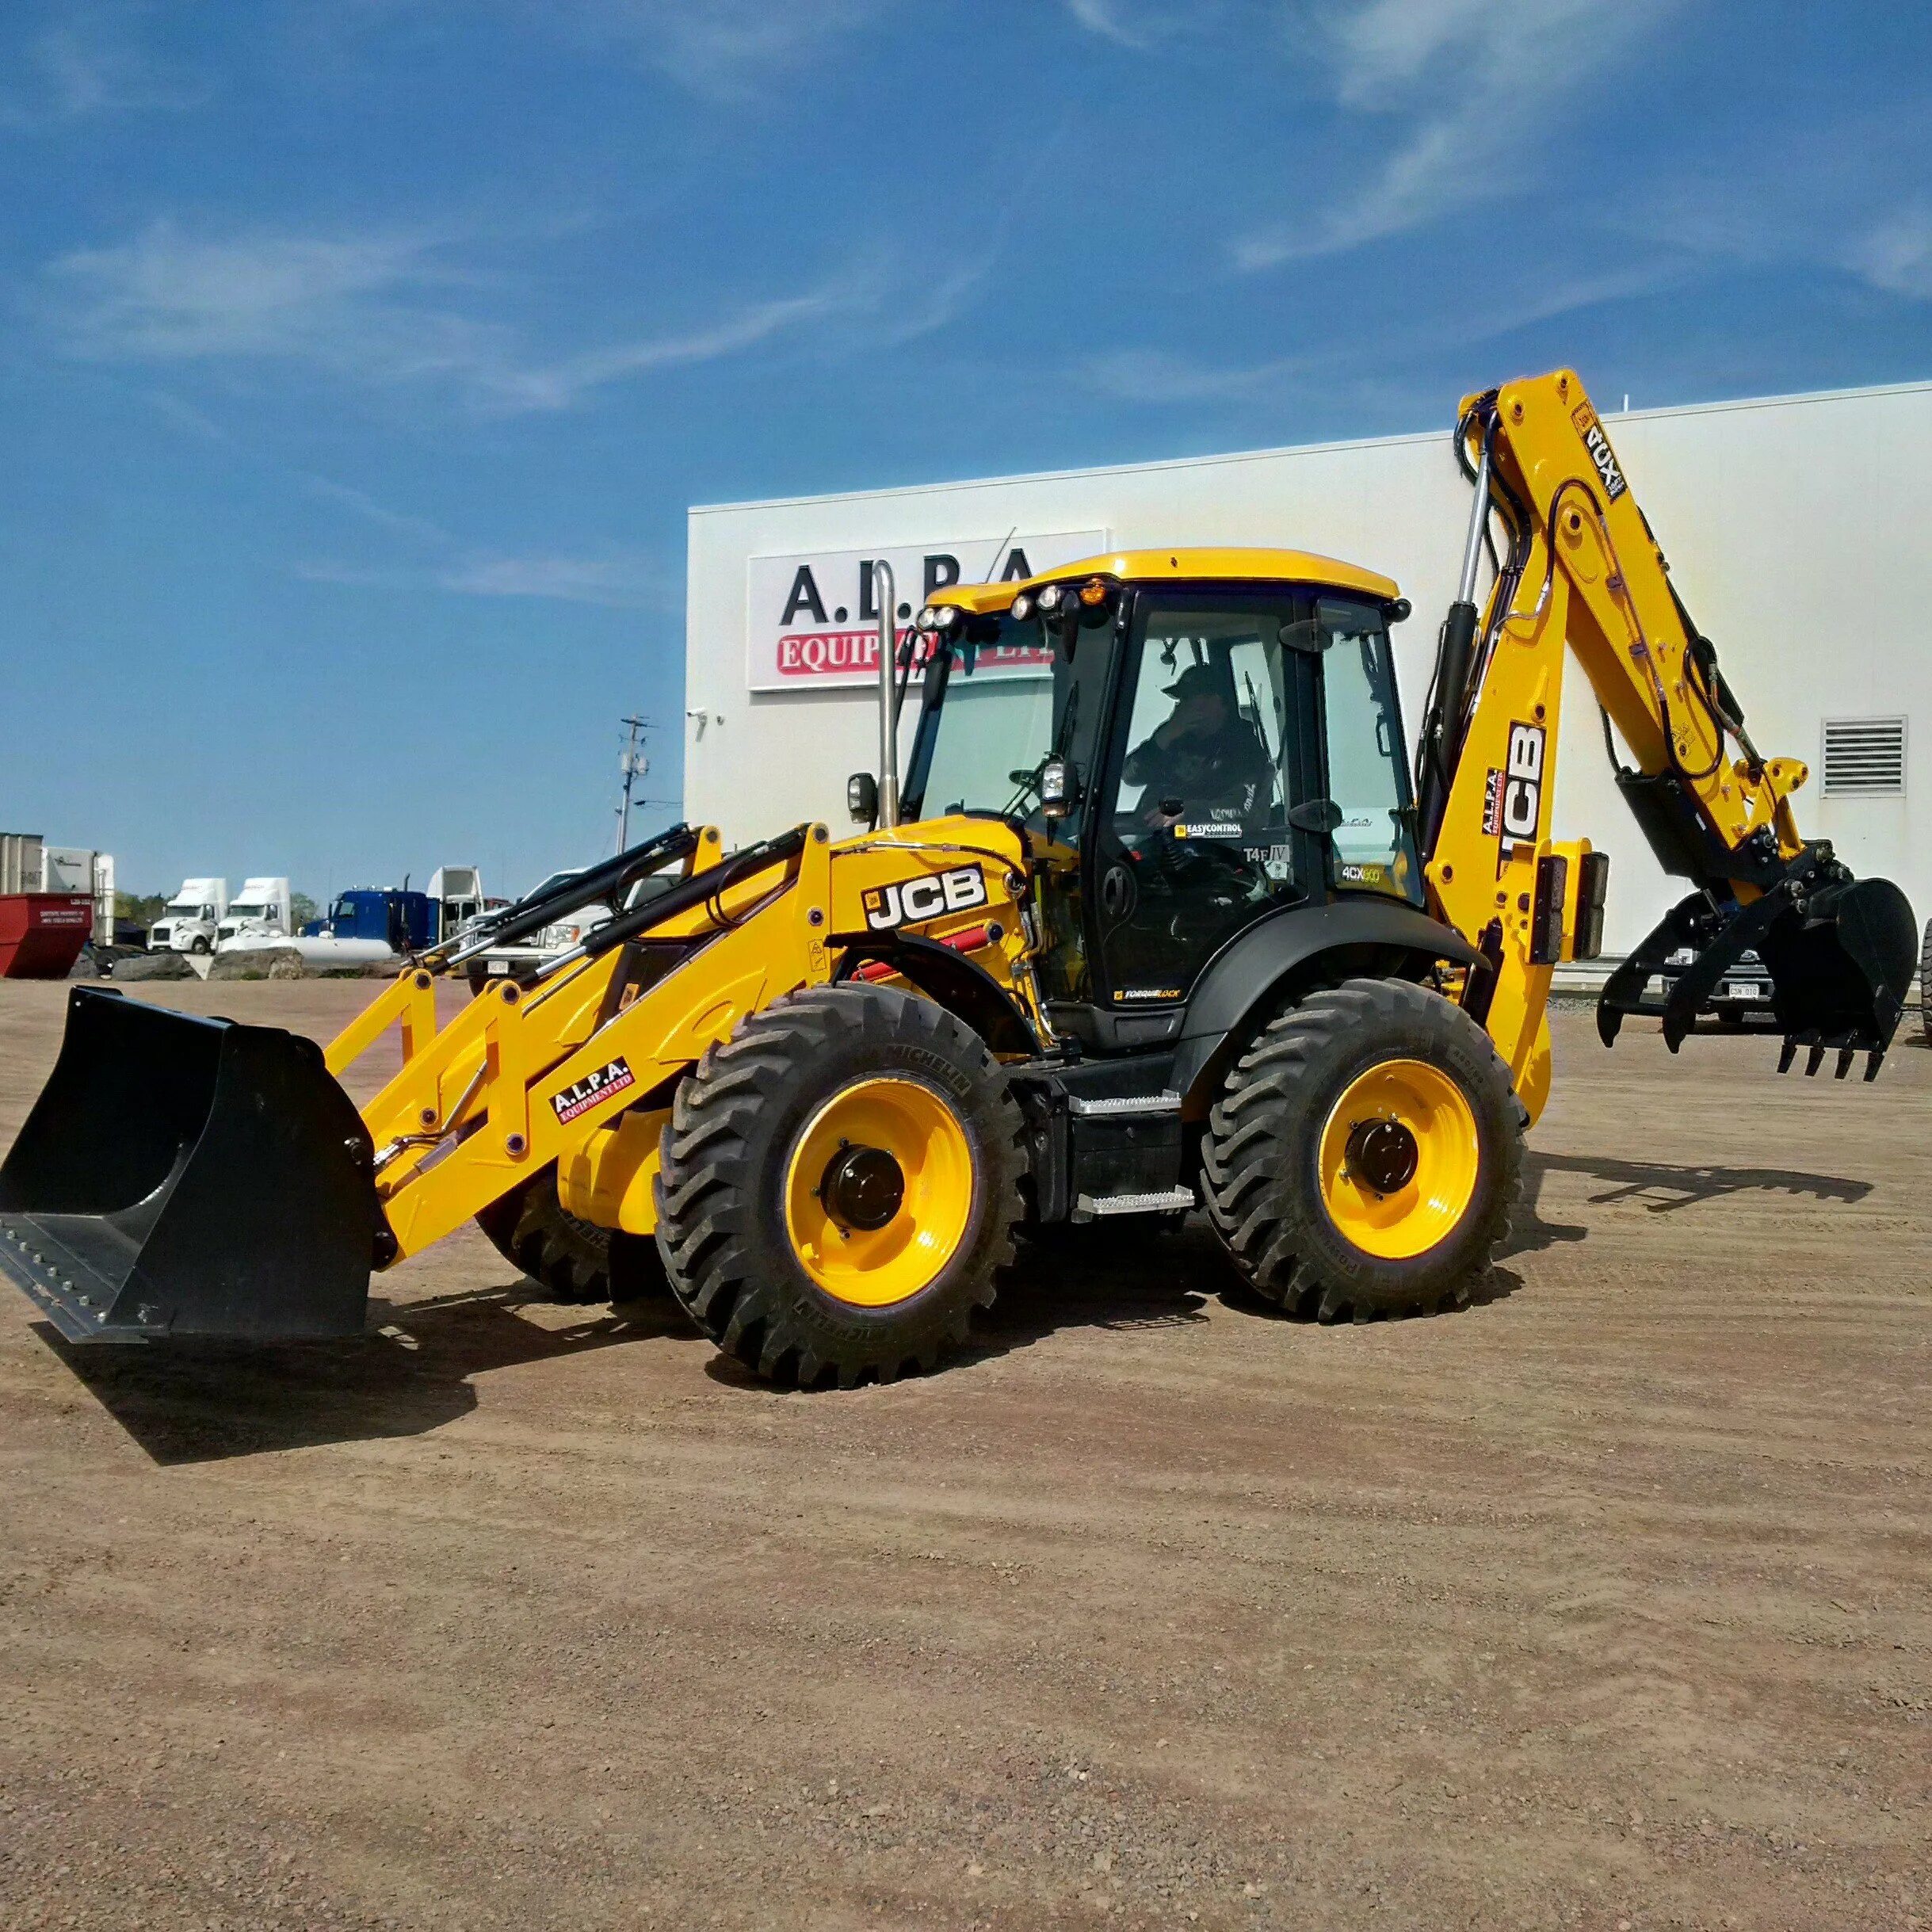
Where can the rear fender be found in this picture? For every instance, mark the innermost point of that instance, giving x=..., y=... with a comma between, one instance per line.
x=1260, y=970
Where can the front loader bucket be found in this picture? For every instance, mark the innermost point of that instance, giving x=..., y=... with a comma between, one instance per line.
x=182, y=1176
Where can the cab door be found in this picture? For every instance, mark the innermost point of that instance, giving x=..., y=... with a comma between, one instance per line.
x=1199, y=827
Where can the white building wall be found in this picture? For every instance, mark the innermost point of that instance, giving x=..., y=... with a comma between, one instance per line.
x=1797, y=527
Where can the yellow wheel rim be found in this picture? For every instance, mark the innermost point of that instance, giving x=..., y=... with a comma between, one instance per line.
x=873, y=1267
x=1398, y=1159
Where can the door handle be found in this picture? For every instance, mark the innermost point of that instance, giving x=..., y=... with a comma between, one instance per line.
x=1116, y=892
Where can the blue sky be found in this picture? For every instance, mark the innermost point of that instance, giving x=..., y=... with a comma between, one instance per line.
x=358, y=361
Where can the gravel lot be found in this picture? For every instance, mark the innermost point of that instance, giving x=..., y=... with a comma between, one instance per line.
x=1603, y=1602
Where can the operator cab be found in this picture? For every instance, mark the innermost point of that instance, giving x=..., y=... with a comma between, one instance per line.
x=1189, y=741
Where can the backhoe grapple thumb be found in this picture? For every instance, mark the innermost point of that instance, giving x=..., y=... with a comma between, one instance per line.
x=183, y=1176
x=1840, y=953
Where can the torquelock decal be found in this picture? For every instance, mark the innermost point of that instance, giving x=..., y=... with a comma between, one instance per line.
x=581, y=1095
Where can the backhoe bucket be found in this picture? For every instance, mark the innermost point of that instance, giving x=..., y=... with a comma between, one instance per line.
x=1840, y=969
x=180, y=1176
x=1840, y=956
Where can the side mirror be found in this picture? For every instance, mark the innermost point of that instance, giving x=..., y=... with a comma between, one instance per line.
x=1056, y=788
x=862, y=797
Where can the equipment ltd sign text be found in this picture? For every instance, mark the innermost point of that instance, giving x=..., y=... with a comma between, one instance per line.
x=813, y=620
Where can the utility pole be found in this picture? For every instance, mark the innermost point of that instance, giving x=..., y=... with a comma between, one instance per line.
x=633, y=764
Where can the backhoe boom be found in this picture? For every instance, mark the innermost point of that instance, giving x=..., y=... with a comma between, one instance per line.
x=1578, y=567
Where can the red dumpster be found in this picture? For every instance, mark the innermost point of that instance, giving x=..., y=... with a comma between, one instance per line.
x=41, y=933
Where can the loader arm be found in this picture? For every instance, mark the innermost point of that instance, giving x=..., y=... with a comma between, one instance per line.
x=1578, y=567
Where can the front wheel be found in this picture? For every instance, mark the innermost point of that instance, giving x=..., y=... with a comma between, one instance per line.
x=573, y=1260
x=839, y=1186
x=1366, y=1154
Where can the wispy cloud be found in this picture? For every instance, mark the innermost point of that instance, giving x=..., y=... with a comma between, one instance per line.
x=1137, y=24
x=613, y=581
x=1894, y=254
x=1163, y=377
x=384, y=307
x=1475, y=84
x=721, y=48
x=77, y=63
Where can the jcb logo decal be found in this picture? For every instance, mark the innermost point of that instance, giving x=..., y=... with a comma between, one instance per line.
x=1522, y=782
x=913, y=901
x=1601, y=453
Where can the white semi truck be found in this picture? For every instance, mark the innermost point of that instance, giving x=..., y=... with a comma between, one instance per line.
x=258, y=915
x=188, y=920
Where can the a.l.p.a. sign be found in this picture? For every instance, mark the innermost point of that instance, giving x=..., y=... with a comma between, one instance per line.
x=812, y=621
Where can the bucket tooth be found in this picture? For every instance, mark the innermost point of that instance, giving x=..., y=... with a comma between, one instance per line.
x=1813, y=1060
x=1845, y=1056
x=1787, y=1053
x=1874, y=1060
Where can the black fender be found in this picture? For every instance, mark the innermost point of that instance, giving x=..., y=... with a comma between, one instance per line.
x=1246, y=977
x=962, y=986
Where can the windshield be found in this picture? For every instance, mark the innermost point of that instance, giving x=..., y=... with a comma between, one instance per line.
x=1373, y=841
x=988, y=721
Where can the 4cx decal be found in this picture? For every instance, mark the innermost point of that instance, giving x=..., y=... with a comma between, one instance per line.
x=1601, y=453
x=581, y=1095
x=911, y=902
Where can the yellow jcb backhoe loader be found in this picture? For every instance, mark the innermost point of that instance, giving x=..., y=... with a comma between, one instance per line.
x=1154, y=921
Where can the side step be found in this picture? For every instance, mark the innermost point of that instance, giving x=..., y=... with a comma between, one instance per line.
x=1090, y=1208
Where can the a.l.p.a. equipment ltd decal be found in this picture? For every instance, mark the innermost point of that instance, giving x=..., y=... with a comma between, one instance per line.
x=1601, y=453
x=813, y=620
x=581, y=1095
x=1512, y=795
x=911, y=902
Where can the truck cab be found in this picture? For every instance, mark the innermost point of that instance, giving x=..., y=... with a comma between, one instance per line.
x=188, y=921
x=400, y=919
x=457, y=893
x=258, y=914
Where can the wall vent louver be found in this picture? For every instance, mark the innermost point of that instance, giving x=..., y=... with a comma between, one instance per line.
x=1864, y=757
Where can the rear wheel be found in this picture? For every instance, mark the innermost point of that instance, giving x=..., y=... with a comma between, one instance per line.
x=1366, y=1154
x=1925, y=983
x=839, y=1187
x=571, y=1260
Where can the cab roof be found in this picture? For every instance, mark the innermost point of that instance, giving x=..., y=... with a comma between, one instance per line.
x=1232, y=566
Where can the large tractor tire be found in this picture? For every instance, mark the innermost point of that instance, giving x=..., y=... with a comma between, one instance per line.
x=572, y=1261
x=1925, y=984
x=1365, y=1154
x=840, y=1184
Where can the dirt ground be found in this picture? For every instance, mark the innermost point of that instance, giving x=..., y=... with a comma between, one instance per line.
x=1603, y=1602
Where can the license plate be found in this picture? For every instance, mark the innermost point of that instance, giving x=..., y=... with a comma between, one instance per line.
x=1740, y=989
x=500, y=967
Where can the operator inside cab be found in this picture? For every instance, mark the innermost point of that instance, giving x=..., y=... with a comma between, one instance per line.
x=1204, y=763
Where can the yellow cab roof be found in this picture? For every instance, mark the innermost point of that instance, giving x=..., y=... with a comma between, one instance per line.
x=1254, y=566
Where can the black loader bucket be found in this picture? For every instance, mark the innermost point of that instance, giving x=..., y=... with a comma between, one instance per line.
x=1840, y=953
x=181, y=1176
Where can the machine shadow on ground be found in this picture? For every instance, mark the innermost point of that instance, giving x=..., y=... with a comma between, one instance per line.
x=192, y=1402
x=1666, y=1188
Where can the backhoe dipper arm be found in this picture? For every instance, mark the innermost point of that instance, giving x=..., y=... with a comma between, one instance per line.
x=1579, y=567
